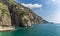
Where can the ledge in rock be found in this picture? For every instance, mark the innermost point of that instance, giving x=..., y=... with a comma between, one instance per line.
x=6, y=28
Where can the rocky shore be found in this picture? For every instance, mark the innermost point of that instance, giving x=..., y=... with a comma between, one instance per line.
x=6, y=28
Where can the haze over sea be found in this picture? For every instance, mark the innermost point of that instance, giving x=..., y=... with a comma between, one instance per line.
x=35, y=30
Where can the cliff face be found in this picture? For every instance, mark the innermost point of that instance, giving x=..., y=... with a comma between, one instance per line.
x=17, y=15
x=4, y=15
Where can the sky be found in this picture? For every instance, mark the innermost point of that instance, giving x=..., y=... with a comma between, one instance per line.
x=47, y=9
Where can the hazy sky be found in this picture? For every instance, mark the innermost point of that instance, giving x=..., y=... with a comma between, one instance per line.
x=48, y=9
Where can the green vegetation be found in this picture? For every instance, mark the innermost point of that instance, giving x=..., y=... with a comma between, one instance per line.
x=1, y=4
x=23, y=12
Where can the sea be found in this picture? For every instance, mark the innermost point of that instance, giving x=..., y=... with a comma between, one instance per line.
x=35, y=30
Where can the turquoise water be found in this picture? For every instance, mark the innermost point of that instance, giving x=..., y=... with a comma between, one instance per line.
x=35, y=30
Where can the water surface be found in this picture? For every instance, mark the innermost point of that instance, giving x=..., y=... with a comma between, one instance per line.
x=35, y=30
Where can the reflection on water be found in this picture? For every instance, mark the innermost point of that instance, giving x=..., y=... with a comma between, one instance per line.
x=36, y=30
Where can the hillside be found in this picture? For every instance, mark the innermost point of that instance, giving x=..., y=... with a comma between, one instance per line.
x=15, y=14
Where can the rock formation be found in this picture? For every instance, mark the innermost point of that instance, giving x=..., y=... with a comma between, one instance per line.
x=15, y=14
x=5, y=18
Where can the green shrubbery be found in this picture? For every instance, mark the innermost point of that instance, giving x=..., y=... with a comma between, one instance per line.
x=24, y=12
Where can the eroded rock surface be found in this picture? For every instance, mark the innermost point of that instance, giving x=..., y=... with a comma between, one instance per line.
x=15, y=14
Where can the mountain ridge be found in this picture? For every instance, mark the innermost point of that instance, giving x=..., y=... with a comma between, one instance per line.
x=20, y=15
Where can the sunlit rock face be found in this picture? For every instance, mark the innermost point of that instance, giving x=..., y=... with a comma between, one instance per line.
x=5, y=18
x=16, y=14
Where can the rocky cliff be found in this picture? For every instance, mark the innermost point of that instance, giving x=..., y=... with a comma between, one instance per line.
x=15, y=14
x=5, y=18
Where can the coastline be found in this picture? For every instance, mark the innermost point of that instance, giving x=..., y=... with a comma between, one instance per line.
x=6, y=28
